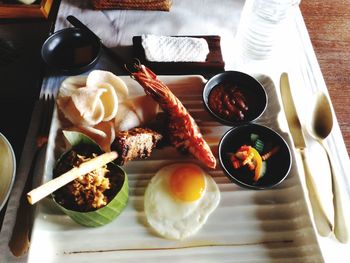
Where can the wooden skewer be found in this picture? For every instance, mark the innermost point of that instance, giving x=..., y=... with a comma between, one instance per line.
x=44, y=190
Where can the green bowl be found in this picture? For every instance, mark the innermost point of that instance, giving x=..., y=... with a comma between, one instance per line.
x=118, y=196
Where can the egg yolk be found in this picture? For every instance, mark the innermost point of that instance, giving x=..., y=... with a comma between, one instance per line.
x=187, y=183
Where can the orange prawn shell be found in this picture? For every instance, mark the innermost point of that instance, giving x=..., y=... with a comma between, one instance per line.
x=184, y=133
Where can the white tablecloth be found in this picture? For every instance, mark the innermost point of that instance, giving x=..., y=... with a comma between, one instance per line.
x=117, y=27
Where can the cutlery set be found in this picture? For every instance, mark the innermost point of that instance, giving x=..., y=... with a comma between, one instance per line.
x=322, y=222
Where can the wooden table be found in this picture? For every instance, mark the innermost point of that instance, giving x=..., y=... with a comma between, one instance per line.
x=328, y=23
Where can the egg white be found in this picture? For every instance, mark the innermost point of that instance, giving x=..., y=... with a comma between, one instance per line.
x=171, y=217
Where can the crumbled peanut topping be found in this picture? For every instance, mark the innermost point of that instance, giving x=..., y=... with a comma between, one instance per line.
x=88, y=190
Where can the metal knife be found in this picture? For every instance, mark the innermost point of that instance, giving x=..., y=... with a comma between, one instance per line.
x=322, y=222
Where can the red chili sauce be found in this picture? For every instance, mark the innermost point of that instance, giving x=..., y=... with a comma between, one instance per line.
x=228, y=102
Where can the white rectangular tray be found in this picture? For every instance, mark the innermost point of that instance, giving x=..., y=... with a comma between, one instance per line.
x=248, y=226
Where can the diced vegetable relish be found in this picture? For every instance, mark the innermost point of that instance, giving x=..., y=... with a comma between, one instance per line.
x=253, y=157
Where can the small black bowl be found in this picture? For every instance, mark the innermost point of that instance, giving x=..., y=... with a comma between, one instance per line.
x=277, y=166
x=71, y=51
x=252, y=90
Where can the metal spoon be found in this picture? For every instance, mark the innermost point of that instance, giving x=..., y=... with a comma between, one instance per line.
x=321, y=126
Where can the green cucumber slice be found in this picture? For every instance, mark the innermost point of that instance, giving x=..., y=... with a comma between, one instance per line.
x=259, y=145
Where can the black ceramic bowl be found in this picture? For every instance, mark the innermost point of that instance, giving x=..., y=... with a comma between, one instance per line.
x=71, y=51
x=277, y=166
x=253, y=92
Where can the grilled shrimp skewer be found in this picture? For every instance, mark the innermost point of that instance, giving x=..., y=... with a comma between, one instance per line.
x=184, y=133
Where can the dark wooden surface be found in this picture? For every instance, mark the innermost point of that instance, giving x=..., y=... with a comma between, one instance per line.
x=20, y=76
x=328, y=23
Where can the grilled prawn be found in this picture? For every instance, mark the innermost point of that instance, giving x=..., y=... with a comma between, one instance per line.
x=184, y=133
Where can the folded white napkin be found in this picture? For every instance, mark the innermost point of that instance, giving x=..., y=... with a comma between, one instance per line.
x=174, y=49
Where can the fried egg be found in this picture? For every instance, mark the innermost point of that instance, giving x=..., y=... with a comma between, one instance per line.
x=179, y=199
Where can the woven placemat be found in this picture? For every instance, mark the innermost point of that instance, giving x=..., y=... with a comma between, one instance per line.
x=162, y=5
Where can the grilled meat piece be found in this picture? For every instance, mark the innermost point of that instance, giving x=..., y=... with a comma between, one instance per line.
x=134, y=143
